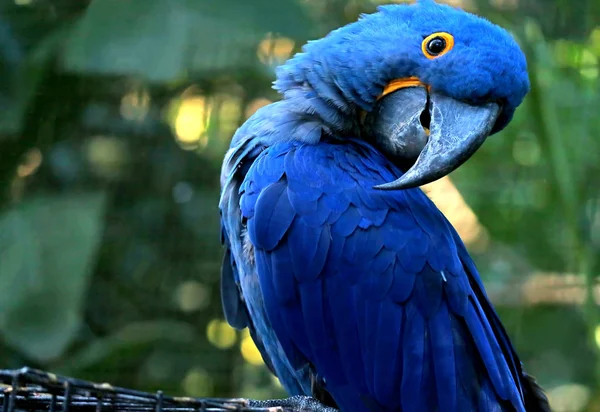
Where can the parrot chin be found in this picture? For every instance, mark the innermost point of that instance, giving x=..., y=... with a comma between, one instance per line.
x=427, y=134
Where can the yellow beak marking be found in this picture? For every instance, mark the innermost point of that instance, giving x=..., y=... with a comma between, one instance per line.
x=401, y=84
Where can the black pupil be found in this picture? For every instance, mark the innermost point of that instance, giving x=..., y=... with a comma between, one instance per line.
x=436, y=46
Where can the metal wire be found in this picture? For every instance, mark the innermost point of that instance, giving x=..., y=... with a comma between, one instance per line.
x=33, y=390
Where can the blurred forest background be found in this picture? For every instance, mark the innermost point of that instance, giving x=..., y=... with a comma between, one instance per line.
x=115, y=115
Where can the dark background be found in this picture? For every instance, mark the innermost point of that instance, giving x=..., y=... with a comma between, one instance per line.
x=114, y=118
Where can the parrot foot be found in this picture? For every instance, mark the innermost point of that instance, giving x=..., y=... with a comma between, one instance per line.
x=297, y=403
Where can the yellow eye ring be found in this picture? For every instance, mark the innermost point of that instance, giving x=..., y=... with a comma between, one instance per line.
x=437, y=44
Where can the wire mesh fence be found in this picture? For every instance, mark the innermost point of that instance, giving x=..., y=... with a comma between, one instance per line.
x=32, y=390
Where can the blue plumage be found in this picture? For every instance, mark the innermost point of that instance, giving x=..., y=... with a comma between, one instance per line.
x=365, y=295
x=371, y=288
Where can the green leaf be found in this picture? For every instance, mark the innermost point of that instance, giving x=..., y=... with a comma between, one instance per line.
x=163, y=40
x=25, y=82
x=46, y=246
x=132, y=342
x=10, y=57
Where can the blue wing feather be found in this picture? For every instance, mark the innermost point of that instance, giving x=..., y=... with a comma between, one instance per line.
x=275, y=214
x=468, y=379
x=240, y=275
x=414, y=361
x=344, y=318
x=371, y=319
x=314, y=242
x=427, y=293
x=313, y=312
x=373, y=289
x=284, y=285
x=403, y=283
x=388, y=365
x=276, y=318
x=443, y=359
x=491, y=315
x=233, y=307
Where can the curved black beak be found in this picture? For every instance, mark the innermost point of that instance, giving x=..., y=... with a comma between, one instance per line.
x=427, y=135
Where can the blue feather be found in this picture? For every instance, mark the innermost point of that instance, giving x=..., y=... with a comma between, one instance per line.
x=382, y=312
x=233, y=307
x=440, y=330
x=414, y=362
x=347, y=223
x=303, y=202
x=342, y=303
x=295, y=357
x=428, y=390
x=310, y=245
x=372, y=290
x=283, y=284
x=428, y=291
x=402, y=286
x=413, y=255
x=372, y=310
x=388, y=363
x=487, y=399
x=378, y=284
x=484, y=348
x=324, y=89
x=323, y=347
x=468, y=378
x=312, y=303
x=275, y=221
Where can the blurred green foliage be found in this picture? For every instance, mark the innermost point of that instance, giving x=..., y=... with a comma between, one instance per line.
x=114, y=117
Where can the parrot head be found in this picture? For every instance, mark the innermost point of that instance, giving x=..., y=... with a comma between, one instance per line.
x=425, y=83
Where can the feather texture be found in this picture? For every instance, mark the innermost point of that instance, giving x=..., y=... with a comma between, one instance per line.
x=376, y=292
x=368, y=296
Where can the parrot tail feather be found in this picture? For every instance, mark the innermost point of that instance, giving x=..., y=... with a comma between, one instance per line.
x=319, y=392
x=535, y=398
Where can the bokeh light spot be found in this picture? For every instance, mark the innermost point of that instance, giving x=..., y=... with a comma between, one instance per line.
x=595, y=41
x=192, y=122
x=597, y=335
x=31, y=162
x=220, y=334
x=448, y=199
x=182, y=192
x=107, y=155
x=526, y=152
x=197, y=383
x=274, y=50
x=135, y=105
x=589, y=65
x=192, y=296
x=250, y=352
x=569, y=397
x=229, y=117
x=276, y=381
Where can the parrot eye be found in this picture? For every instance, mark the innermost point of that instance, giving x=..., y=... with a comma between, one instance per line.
x=437, y=45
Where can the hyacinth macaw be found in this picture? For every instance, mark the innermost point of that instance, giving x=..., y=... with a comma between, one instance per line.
x=356, y=289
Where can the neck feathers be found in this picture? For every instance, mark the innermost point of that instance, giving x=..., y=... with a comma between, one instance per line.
x=311, y=97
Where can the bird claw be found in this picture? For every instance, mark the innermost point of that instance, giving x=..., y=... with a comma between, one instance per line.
x=297, y=403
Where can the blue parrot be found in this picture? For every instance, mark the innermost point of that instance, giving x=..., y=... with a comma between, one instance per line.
x=355, y=288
